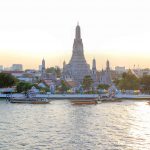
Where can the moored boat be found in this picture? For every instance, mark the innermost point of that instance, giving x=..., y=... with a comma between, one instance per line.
x=29, y=100
x=108, y=99
x=84, y=102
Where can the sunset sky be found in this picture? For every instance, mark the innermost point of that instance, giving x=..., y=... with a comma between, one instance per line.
x=118, y=30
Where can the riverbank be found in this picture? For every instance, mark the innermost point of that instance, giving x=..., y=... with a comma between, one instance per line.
x=80, y=96
x=133, y=97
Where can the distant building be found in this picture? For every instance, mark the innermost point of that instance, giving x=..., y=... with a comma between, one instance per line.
x=17, y=67
x=1, y=68
x=141, y=72
x=120, y=70
x=40, y=67
x=146, y=72
x=7, y=69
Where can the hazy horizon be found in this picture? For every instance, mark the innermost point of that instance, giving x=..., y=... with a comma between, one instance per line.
x=35, y=29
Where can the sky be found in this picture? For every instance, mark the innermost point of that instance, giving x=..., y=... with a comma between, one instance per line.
x=118, y=30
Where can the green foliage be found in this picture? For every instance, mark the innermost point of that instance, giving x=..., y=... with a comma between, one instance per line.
x=64, y=86
x=7, y=80
x=103, y=86
x=116, y=81
x=145, y=83
x=44, y=90
x=50, y=70
x=87, y=83
x=128, y=82
x=58, y=72
x=54, y=70
x=23, y=87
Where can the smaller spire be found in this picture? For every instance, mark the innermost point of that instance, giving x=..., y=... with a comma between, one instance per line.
x=43, y=63
x=64, y=64
x=107, y=64
x=94, y=64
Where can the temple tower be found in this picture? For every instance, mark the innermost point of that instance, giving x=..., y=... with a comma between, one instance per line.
x=108, y=73
x=78, y=54
x=77, y=68
x=43, y=71
x=94, y=71
x=64, y=64
x=105, y=76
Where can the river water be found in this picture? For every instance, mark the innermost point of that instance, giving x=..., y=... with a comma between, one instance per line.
x=63, y=126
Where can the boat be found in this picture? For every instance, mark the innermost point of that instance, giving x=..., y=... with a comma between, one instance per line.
x=29, y=100
x=148, y=103
x=108, y=99
x=84, y=102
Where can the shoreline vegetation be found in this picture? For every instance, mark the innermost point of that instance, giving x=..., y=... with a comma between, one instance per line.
x=128, y=86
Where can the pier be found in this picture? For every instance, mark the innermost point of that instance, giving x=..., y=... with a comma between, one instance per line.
x=80, y=96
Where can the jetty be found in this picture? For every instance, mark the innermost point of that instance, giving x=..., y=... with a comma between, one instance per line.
x=133, y=97
x=78, y=96
x=55, y=96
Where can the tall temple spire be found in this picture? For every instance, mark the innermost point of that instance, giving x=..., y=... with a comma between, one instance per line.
x=78, y=45
x=94, y=64
x=94, y=71
x=43, y=71
x=78, y=32
x=64, y=64
x=43, y=64
x=107, y=65
x=77, y=67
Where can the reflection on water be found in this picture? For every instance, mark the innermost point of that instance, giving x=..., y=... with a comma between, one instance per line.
x=62, y=126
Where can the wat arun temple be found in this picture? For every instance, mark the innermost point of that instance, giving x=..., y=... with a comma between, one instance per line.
x=77, y=68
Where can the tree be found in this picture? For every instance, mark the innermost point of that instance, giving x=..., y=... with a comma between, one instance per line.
x=23, y=86
x=58, y=72
x=7, y=80
x=103, y=86
x=64, y=86
x=87, y=83
x=55, y=70
x=145, y=83
x=128, y=81
x=50, y=70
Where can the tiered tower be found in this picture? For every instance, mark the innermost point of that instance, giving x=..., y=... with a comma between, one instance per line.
x=43, y=71
x=94, y=71
x=105, y=76
x=108, y=73
x=77, y=68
